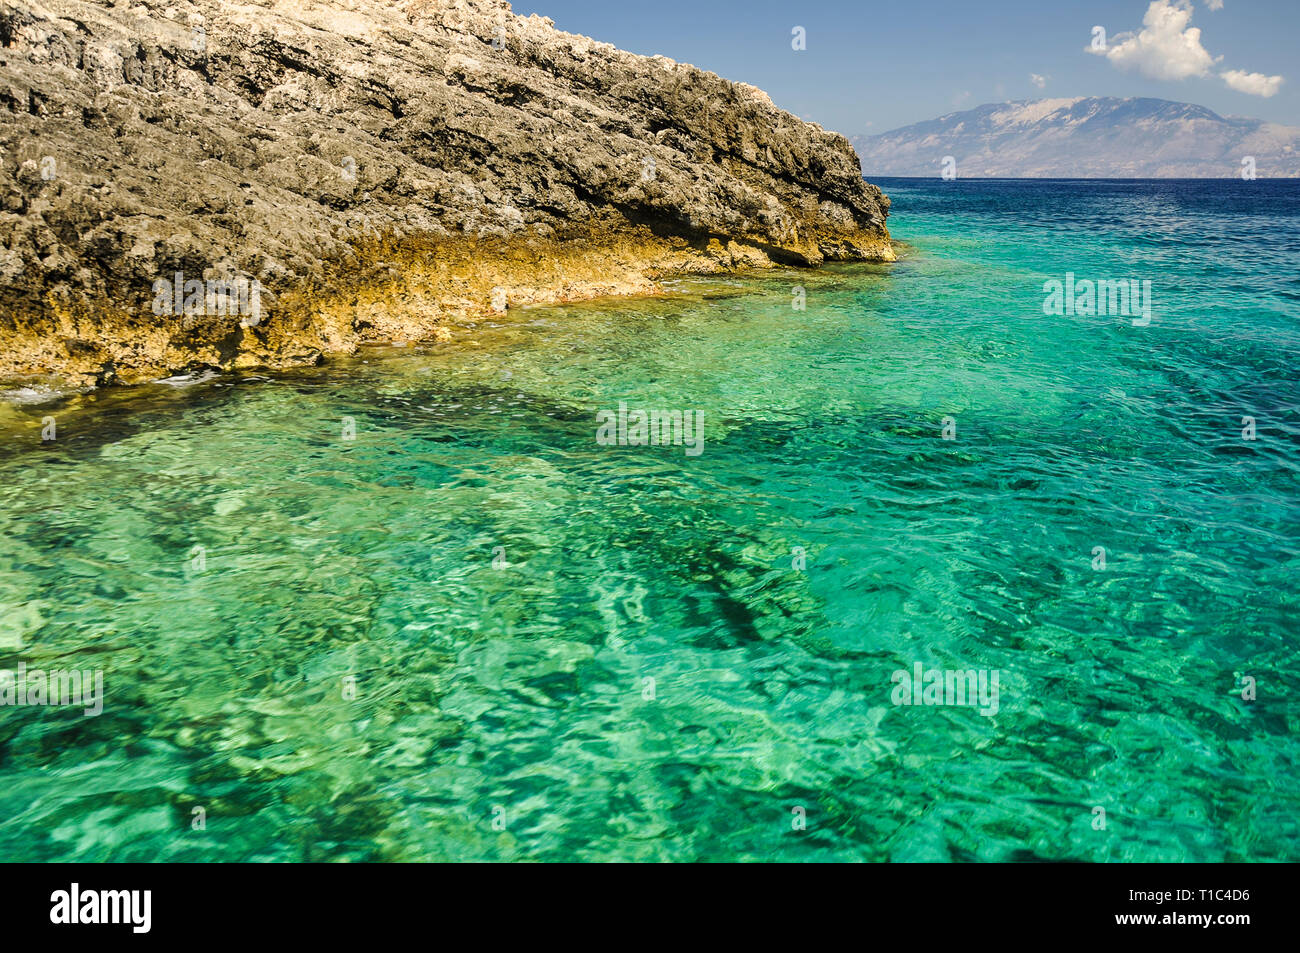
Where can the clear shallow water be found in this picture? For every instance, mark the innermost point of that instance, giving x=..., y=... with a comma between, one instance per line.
x=483, y=690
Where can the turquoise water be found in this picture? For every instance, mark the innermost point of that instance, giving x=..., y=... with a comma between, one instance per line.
x=433, y=640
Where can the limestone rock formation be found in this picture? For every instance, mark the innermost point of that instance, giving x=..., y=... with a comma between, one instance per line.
x=188, y=184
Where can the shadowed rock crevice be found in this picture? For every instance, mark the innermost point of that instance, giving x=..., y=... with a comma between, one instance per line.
x=378, y=169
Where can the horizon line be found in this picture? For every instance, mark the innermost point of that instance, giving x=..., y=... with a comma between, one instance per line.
x=1089, y=178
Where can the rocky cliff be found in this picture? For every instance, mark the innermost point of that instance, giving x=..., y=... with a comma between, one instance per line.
x=189, y=184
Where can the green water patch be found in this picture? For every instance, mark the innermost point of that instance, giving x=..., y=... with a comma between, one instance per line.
x=407, y=605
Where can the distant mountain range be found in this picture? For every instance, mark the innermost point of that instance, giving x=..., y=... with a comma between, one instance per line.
x=1086, y=137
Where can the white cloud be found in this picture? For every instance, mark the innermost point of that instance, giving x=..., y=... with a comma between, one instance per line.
x=1256, y=84
x=1166, y=47
x=1039, y=81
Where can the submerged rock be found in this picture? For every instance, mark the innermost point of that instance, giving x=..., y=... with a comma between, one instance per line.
x=202, y=184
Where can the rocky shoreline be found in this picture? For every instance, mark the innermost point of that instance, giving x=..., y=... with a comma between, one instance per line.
x=228, y=185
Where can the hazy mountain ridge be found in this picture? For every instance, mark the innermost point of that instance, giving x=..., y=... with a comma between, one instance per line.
x=1085, y=137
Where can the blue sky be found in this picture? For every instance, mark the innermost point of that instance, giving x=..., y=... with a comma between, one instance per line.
x=872, y=66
